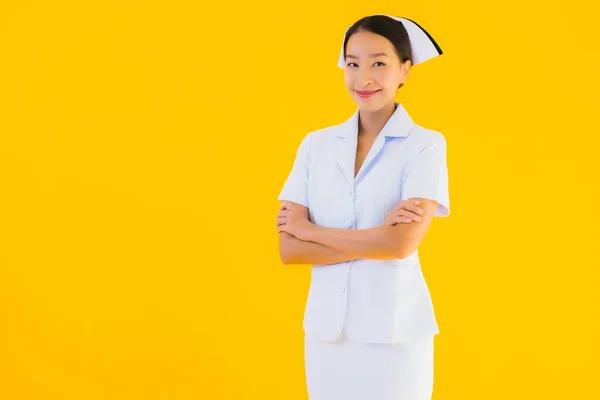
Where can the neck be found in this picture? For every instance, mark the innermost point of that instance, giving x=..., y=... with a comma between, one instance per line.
x=371, y=123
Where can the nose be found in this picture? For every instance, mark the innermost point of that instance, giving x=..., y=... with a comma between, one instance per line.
x=364, y=77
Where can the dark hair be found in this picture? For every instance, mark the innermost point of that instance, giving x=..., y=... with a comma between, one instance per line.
x=389, y=28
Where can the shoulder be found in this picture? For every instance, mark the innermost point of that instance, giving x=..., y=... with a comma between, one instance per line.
x=320, y=137
x=421, y=138
x=325, y=132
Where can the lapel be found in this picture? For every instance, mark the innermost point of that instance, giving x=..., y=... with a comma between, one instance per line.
x=398, y=125
x=346, y=149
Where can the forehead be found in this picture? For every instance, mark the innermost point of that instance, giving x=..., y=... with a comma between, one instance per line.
x=368, y=42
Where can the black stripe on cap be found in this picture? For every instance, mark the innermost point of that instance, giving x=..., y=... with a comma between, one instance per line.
x=437, y=47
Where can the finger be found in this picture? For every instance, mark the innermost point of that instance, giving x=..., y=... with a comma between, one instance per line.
x=408, y=214
x=287, y=211
x=284, y=213
x=283, y=206
x=403, y=220
x=392, y=219
x=415, y=209
x=281, y=221
x=412, y=205
x=290, y=206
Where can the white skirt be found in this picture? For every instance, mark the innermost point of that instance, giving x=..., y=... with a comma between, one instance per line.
x=346, y=370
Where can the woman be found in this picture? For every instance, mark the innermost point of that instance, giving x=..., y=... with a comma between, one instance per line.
x=356, y=205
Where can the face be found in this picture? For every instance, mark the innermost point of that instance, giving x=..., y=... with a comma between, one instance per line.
x=373, y=70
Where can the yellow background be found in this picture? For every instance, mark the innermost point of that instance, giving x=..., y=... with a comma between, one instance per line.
x=142, y=148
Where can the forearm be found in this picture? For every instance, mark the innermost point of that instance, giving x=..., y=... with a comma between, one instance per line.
x=296, y=251
x=374, y=243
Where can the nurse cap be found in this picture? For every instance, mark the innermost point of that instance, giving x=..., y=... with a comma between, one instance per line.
x=423, y=47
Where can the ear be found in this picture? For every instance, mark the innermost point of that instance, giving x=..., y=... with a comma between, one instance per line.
x=405, y=70
x=406, y=66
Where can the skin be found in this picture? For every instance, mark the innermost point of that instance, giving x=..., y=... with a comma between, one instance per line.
x=371, y=64
x=293, y=250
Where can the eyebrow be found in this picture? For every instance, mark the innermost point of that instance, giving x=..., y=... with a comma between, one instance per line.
x=372, y=55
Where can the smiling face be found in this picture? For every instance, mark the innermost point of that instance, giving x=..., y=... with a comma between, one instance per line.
x=373, y=70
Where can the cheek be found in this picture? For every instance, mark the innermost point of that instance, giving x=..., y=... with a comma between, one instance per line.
x=387, y=78
x=348, y=79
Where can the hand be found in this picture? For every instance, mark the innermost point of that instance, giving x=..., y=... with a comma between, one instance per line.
x=404, y=212
x=293, y=218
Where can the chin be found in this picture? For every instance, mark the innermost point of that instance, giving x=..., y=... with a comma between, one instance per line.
x=370, y=105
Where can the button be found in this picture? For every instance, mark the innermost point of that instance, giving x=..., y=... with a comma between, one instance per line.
x=343, y=288
x=348, y=223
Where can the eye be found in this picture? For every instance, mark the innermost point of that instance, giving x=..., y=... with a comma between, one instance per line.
x=351, y=64
x=379, y=62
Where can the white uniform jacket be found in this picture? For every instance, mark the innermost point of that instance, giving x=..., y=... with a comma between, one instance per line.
x=374, y=301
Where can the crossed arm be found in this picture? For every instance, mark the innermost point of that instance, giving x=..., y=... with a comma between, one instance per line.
x=295, y=251
x=302, y=242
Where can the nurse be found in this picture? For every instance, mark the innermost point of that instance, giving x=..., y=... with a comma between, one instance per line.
x=357, y=203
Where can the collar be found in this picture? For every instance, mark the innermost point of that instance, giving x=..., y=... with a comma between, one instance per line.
x=398, y=125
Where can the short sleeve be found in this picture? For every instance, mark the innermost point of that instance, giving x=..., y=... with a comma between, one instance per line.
x=295, y=188
x=426, y=176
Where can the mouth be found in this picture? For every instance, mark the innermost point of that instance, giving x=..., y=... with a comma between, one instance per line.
x=367, y=93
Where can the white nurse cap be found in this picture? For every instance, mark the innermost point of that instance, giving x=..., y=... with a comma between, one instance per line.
x=423, y=47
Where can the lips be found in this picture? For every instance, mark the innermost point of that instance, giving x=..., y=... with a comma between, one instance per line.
x=367, y=93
